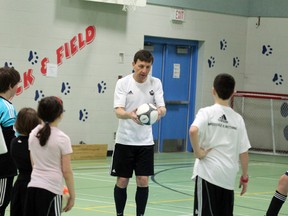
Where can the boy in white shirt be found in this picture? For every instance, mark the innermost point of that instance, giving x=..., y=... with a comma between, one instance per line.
x=219, y=138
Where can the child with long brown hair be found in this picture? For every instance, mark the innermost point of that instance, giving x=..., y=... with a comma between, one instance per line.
x=50, y=150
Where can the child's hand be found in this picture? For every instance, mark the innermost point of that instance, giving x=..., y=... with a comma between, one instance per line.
x=69, y=204
x=202, y=153
x=243, y=183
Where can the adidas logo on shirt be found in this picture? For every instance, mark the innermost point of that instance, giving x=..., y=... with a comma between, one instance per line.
x=130, y=92
x=223, y=119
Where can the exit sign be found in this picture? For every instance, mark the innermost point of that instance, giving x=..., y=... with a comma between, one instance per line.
x=178, y=15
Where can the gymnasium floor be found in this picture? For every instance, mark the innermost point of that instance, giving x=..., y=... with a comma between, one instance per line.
x=171, y=190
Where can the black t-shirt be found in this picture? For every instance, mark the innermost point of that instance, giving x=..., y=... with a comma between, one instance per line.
x=21, y=156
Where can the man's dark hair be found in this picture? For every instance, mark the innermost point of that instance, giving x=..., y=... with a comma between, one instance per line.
x=224, y=85
x=9, y=77
x=143, y=55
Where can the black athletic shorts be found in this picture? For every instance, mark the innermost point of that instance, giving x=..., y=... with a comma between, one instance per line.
x=127, y=159
x=42, y=202
x=212, y=200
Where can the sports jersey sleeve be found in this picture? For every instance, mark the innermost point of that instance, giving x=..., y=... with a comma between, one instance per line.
x=201, y=122
x=66, y=148
x=119, y=94
x=244, y=140
x=7, y=113
x=159, y=94
x=7, y=120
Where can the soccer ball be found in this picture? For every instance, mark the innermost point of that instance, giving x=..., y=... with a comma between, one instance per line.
x=147, y=114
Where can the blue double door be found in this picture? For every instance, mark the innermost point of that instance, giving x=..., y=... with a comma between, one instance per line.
x=175, y=63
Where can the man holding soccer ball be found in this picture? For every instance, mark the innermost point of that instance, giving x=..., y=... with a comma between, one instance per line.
x=134, y=148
